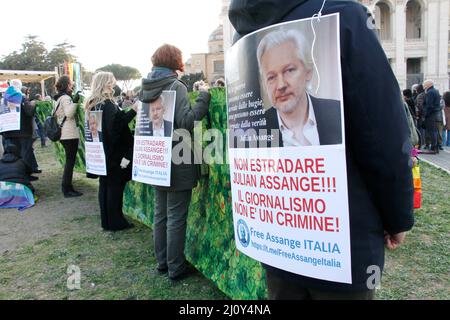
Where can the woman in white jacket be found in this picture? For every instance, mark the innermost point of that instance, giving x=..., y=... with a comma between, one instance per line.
x=66, y=111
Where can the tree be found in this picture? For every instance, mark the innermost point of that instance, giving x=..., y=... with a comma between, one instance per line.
x=192, y=78
x=122, y=73
x=34, y=56
x=60, y=54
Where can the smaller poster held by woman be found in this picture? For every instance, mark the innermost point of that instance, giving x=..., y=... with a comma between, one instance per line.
x=153, y=141
x=10, y=110
x=95, y=153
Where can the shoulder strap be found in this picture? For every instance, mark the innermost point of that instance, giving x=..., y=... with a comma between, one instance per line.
x=54, y=113
x=57, y=107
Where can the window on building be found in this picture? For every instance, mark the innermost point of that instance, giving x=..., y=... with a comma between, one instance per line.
x=413, y=20
x=383, y=20
x=414, y=71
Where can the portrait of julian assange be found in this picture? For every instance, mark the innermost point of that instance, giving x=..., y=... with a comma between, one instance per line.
x=287, y=68
x=93, y=127
x=294, y=69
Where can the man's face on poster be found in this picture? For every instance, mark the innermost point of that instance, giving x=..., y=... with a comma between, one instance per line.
x=285, y=76
x=12, y=107
x=157, y=113
x=93, y=125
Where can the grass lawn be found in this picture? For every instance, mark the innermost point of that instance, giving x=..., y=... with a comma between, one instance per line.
x=119, y=265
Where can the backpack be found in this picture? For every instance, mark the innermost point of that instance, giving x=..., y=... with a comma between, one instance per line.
x=52, y=128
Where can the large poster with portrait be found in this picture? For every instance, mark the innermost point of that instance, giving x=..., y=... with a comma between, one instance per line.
x=95, y=152
x=287, y=148
x=10, y=114
x=152, y=155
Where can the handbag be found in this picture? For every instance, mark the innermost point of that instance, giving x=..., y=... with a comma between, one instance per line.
x=52, y=128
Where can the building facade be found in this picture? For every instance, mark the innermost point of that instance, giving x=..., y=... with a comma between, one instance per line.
x=212, y=64
x=415, y=37
x=414, y=34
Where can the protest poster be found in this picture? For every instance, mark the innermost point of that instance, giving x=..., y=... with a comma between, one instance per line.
x=152, y=155
x=9, y=116
x=287, y=148
x=95, y=152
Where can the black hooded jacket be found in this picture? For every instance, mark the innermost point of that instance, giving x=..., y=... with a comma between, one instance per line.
x=380, y=185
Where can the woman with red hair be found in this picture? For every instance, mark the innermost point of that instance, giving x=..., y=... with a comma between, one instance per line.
x=172, y=203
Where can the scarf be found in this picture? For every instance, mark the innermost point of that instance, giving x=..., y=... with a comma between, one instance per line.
x=161, y=73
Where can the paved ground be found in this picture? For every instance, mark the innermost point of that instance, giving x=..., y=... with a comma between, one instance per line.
x=441, y=160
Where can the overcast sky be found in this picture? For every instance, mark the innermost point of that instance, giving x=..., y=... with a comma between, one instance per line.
x=112, y=31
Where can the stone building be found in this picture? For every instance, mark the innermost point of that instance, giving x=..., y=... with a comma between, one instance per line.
x=414, y=34
x=415, y=37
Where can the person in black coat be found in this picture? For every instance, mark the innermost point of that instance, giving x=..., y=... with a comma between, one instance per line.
x=433, y=113
x=14, y=169
x=380, y=185
x=118, y=145
x=23, y=138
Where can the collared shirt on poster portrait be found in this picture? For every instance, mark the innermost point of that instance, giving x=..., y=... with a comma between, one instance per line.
x=294, y=137
x=158, y=132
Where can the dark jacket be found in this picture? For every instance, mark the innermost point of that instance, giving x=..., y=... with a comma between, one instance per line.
x=328, y=118
x=27, y=112
x=14, y=169
x=432, y=105
x=380, y=186
x=184, y=176
x=117, y=138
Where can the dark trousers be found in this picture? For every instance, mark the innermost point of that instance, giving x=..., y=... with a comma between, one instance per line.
x=281, y=289
x=71, y=149
x=41, y=132
x=169, y=230
x=28, y=153
x=110, y=198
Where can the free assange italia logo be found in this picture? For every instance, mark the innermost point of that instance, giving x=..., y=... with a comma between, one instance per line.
x=243, y=233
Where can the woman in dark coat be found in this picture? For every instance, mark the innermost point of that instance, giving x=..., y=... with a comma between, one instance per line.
x=118, y=146
x=172, y=204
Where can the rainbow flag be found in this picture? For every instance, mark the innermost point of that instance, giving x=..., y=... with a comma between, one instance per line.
x=15, y=196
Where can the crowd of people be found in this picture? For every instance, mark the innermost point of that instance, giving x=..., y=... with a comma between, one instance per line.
x=431, y=115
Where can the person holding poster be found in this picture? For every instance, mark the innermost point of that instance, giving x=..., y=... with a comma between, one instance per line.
x=377, y=146
x=118, y=148
x=23, y=111
x=172, y=203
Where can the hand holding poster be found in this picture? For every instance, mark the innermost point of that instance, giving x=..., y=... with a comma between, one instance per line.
x=95, y=153
x=287, y=148
x=153, y=140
